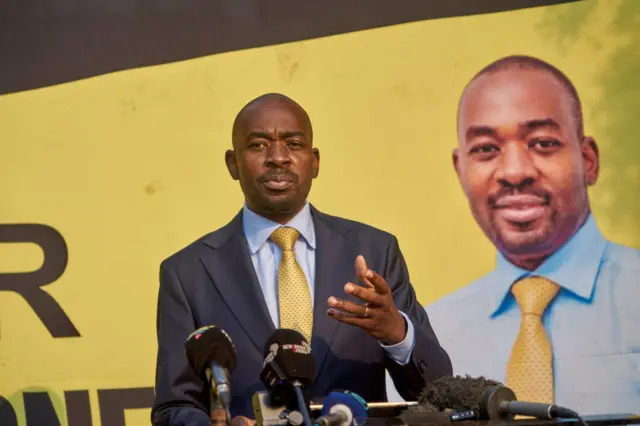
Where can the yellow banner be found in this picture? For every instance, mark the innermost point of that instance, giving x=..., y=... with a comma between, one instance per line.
x=103, y=178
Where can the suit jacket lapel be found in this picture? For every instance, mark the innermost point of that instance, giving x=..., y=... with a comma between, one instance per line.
x=231, y=270
x=334, y=267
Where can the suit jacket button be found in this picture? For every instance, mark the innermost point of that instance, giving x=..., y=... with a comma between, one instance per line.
x=422, y=366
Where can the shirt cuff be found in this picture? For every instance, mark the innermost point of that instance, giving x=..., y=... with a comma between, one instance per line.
x=401, y=352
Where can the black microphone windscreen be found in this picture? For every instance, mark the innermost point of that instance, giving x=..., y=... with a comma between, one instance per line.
x=288, y=352
x=284, y=336
x=453, y=392
x=208, y=344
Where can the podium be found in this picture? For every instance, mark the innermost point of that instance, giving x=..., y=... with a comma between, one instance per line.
x=394, y=414
x=426, y=419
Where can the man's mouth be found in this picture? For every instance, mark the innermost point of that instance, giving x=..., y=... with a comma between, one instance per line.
x=279, y=185
x=520, y=208
x=278, y=182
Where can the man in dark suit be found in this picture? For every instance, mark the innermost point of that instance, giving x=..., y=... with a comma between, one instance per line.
x=280, y=263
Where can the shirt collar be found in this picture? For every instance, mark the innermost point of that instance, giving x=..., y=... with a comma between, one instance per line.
x=574, y=267
x=258, y=229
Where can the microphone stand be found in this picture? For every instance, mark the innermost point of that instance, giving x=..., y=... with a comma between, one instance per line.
x=302, y=403
x=219, y=398
x=225, y=396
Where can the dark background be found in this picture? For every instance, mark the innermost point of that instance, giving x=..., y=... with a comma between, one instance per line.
x=44, y=42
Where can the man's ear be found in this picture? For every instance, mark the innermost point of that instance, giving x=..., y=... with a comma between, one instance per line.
x=456, y=161
x=316, y=162
x=232, y=165
x=591, y=160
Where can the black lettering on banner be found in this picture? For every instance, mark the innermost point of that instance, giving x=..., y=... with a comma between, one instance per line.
x=29, y=284
x=113, y=402
x=7, y=415
x=39, y=409
x=78, y=408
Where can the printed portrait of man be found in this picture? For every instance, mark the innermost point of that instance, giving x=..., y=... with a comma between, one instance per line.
x=558, y=318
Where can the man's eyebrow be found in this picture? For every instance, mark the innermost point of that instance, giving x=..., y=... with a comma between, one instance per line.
x=524, y=128
x=290, y=133
x=263, y=135
x=269, y=136
x=531, y=125
x=475, y=131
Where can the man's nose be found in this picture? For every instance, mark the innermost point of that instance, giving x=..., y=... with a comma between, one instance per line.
x=516, y=165
x=277, y=154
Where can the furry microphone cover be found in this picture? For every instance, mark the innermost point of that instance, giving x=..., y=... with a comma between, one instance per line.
x=451, y=393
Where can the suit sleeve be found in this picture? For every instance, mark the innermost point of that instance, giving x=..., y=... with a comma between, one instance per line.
x=428, y=360
x=180, y=396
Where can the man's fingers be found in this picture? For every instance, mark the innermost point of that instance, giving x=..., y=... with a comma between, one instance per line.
x=361, y=265
x=379, y=283
x=371, y=278
x=361, y=270
x=348, y=307
x=349, y=319
x=367, y=295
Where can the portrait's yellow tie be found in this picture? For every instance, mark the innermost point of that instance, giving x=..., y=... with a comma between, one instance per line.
x=530, y=369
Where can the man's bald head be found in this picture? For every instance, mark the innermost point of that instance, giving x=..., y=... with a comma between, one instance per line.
x=530, y=63
x=268, y=100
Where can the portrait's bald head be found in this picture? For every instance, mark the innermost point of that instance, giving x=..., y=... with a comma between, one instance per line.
x=522, y=157
x=273, y=156
x=512, y=65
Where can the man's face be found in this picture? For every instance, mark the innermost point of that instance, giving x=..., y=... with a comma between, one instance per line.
x=274, y=158
x=522, y=162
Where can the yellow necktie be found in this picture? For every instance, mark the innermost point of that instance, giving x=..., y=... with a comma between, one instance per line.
x=294, y=298
x=530, y=370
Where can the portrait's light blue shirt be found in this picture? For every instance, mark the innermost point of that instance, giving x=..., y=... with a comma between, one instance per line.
x=266, y=255
x=593, y=324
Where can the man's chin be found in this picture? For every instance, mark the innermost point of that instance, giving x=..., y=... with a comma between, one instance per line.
x=281, y=203
x=531, y=242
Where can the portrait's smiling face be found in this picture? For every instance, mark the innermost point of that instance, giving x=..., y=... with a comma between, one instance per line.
x=523, y=162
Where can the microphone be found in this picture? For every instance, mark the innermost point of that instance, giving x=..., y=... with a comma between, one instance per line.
x=211, y=355
x=468, y=398
x=343, y=409
x=449, y=399
x=499, y=402
x=288, y=370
